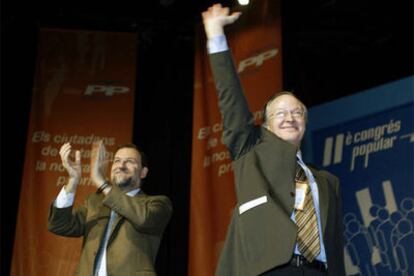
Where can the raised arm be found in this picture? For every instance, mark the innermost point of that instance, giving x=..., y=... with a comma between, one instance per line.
x=239, y=131
x=63, y=220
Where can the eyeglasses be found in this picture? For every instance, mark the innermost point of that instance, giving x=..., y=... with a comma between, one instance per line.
x=283, y=113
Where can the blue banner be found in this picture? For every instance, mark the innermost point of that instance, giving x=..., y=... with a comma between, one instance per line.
x=373, y=155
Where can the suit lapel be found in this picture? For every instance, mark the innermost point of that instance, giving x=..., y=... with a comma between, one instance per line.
x=277, y=162
x=103, y=213
x=323, y=198
x=118, y=221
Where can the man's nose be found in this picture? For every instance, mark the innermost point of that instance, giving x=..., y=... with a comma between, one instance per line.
x=289, y=117
x=122, y=164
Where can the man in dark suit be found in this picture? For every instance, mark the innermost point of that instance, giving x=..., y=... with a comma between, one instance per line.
x=121, y=226
x=288, y=216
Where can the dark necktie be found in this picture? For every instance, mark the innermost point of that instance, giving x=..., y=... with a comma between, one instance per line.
x=104, y=243
x=308, y=234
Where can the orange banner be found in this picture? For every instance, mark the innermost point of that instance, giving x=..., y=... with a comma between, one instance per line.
x=255, y=41
x=83, y=92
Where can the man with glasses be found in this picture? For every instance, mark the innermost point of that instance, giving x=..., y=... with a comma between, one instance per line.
x=121, y=226
x=288, y=216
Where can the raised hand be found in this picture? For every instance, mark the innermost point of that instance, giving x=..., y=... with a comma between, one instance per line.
x=216, y=17
x=98, y=163
x=74, y=169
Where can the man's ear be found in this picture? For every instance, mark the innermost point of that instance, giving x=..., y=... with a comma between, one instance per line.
x=143, y=173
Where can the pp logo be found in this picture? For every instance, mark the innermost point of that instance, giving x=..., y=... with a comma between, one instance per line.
x=257, y=60
x=107, y=90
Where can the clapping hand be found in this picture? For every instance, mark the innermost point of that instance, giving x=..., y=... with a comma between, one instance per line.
x=73, y=168
x=99, y=163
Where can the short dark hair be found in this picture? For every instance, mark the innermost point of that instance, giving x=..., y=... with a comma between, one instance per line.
x=144, y=160
x=277, y=95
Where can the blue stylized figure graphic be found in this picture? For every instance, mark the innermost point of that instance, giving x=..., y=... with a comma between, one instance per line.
x=358, y=245
x=396, y=217
x=383, y=233
x=407, y=207
x=404, y=247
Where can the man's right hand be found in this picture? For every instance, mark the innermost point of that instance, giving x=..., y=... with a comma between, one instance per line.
x=215, y=18
x=74, y=169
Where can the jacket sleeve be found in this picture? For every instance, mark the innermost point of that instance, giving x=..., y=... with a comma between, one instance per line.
x=238, y=122
x=68, y=222
x=148, y=214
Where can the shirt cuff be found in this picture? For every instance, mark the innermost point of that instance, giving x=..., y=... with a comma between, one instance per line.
x=64, y=199
x=217, y=44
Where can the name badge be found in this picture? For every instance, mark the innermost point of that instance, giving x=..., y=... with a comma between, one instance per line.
x=301, y=190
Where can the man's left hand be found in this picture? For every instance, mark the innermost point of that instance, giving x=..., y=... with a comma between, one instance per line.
x=98, y=163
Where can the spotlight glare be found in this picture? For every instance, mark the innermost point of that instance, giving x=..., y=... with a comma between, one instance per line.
x=243, y=2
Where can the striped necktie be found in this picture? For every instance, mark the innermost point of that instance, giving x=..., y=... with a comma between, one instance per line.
x=308, y=236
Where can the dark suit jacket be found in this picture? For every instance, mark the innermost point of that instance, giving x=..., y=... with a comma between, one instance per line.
x=135, y=235
x=261, y=235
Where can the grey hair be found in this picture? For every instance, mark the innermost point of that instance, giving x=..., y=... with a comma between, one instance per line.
x=273, y=98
